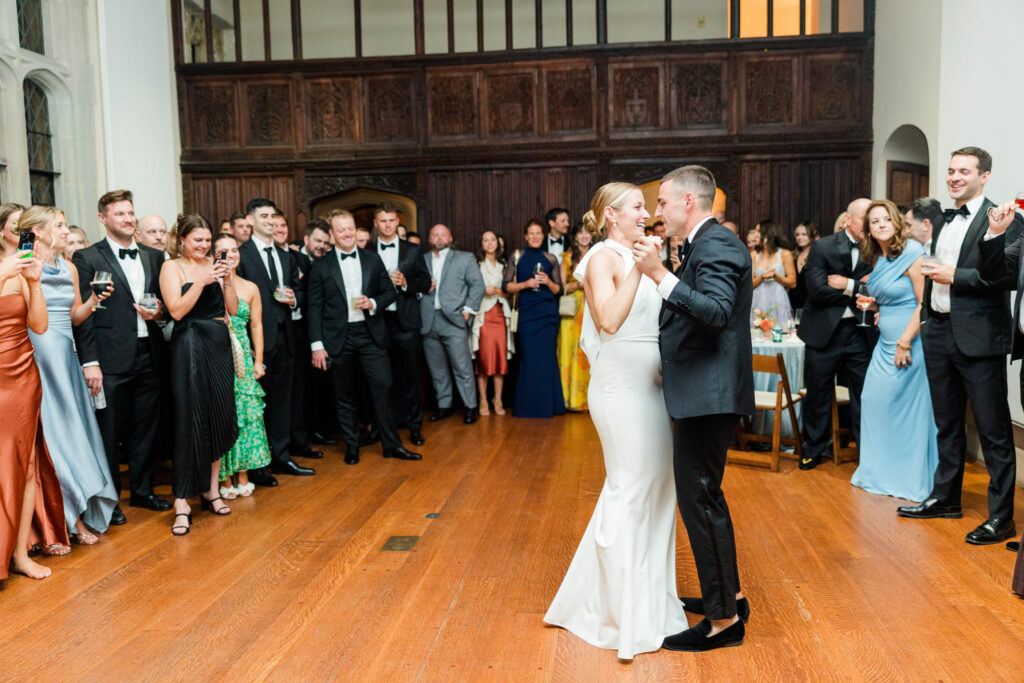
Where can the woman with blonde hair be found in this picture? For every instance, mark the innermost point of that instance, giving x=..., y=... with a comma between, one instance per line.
x=69, y=423
x=898, y=447
x=76, y=240
x=620, y=592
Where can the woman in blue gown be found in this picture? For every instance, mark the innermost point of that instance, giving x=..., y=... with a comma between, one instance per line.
x=898, y=449
x=536, y=277
x=69, y=423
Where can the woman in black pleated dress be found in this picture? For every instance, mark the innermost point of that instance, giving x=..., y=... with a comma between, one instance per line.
x=197, y=288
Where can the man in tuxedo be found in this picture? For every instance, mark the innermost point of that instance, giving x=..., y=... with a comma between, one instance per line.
x=348, y=289
x=835, y=345
x=708, y=381
x=122, y=350
x=965, y=333
x=446, y=310
x=241, y=228
x=319, y=419
x=408, y=272
x=921, y=217
x=557, y=240
x=276, y=274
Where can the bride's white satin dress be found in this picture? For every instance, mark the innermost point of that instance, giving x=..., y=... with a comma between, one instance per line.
x=620, y=590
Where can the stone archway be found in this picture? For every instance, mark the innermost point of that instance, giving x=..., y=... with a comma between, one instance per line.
x=362, y=201
x=905, y=154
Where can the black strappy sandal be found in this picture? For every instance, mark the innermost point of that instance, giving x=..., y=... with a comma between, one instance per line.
x=208, y=505
x=187, y=529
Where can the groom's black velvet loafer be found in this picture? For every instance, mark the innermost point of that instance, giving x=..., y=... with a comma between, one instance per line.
x=696, y=606
x=696, y=639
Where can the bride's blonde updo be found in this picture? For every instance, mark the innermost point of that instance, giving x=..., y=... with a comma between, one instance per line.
x=611, y=194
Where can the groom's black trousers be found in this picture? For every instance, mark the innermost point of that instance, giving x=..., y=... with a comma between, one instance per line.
x=699, y=463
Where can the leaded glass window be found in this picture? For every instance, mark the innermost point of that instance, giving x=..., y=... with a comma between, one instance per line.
x=30, y=24
x=42, y=176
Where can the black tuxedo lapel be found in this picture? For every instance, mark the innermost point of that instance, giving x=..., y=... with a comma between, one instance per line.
x=365, y=264
x=147, y=269
x=973, y=234
x=339, y=281
x=115, y=267
x=256, y=265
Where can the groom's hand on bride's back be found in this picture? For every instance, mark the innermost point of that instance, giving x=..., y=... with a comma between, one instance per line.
x=648, y=259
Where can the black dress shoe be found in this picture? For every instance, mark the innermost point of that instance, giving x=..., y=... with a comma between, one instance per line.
x=810, y=462
x=117, y=517
x=416, y=436
x=470, y=416
x=262, y=477
x=401, y=454
x=1013, y=546
x=696, y=606
x=307, y=452
x=992, y=530
x=373, y=436
x=930, y=509
x=696, y=639
x=352, y=456
x=151, y=502
x=441, y=414
x=321, y=440
x=291, y=467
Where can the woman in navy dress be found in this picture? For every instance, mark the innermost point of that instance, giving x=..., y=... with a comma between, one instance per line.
x=898, y=449
x=535, y=276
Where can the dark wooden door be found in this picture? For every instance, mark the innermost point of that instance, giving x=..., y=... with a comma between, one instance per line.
x=905, y=182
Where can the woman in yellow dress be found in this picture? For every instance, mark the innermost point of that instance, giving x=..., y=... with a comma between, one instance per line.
x=572, y=362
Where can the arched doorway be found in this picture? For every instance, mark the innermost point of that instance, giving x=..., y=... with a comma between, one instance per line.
x=361, y=203
x=906, y=165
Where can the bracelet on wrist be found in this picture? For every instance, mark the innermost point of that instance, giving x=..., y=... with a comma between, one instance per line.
x=899, y=343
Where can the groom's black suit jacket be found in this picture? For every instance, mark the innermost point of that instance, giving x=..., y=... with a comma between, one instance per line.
x=997, y=263
x=706, y=364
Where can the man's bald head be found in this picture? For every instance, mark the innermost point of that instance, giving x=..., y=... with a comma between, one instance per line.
x=152, y=232
x=440, y=237
x=855, y=214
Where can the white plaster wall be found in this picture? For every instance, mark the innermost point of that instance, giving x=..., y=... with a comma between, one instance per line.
x=140, y=105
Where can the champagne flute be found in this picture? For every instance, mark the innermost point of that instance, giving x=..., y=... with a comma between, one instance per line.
x=864, y=301
x=537, y=270
x=100, y=281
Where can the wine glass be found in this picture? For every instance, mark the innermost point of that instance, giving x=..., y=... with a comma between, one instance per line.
x=864, y=301
x=100, y=281
x=794, y=322
x=537, y=270
x=149, y=301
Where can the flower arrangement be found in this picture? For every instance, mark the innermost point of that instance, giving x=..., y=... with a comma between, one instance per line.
x=764, y=319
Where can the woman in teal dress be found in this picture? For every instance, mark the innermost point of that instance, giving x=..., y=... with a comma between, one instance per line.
x=898, y=449
x=252, y=450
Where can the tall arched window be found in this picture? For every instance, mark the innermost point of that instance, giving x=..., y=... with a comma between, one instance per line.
x=30, y=25
x=42, y=175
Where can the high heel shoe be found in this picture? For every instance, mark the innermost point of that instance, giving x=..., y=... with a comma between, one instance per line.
x=174, y=529
x=499, y=409
x=484, y=412
x=220, y=512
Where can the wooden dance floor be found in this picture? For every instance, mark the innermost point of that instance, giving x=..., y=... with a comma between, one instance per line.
x=295, y=585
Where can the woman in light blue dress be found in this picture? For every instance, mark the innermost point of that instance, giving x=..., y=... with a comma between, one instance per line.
x=898, y=449
x=69, y=422
x=774, y=274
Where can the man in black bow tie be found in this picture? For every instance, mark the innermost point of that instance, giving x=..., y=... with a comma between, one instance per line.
x=965, y=332
x=556, y=242
x=122, y=350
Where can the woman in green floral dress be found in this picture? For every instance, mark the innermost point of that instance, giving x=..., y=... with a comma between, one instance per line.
x=252, y=450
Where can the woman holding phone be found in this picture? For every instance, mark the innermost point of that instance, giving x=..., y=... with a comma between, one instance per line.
x=252, y=449
x=198, y=289
x=29, y=514
x=69, y=423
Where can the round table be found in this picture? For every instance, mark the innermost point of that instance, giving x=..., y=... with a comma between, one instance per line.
x=792, y=350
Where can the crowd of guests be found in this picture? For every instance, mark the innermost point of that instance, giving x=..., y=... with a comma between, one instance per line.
x=232, y=352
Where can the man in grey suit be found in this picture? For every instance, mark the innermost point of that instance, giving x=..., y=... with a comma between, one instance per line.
x=455, y=292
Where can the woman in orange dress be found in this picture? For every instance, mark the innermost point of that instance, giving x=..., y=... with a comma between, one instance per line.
x=31, y=505
x=491, y=342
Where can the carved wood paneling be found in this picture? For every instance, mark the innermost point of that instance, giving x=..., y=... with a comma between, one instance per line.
x=831, y=89
x=213, y=115
x=636, y=96
x=769, y=91
x=698, y=94
x=569, y=99
x=453, y=105
x=388, y=108
x=332, y=110
x=319, y=186
x=511, y=104
x=268, y=108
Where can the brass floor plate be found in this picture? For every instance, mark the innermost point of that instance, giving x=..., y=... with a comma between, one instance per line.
x=401, y=544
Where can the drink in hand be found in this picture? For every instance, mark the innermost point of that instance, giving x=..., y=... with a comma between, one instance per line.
x=100, y=281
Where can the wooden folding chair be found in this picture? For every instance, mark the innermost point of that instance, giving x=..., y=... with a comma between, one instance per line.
x=840, y=453
x=779, y=400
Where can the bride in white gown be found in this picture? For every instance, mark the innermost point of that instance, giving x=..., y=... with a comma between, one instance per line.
x=620, y=590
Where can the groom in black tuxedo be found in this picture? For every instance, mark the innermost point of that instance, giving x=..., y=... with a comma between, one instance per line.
x=708, y=382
